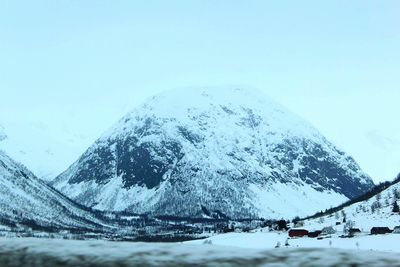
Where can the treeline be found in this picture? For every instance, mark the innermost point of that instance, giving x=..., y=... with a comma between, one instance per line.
x=132, y=227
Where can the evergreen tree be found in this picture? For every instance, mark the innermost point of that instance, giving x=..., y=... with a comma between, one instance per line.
x=281, y=225
x=396, y=193
x=395, y=207
x=296, y=220
x=372, y=208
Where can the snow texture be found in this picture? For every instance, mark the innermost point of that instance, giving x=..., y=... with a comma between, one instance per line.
x=202, y=151
x=268, y=240
x=46, y=253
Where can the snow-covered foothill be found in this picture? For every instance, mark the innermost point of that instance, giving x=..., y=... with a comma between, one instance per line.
x=377, y=211
x=26, y=200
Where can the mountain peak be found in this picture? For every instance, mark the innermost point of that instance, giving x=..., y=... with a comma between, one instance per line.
x=188, y=104
x=217, y=149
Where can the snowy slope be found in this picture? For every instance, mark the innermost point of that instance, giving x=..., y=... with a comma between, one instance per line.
x=269, y=240
x=377, y=211
x=198, y=151
x=27, y=200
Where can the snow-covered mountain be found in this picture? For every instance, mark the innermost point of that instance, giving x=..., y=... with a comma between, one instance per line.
x=374, y=209
x=204, y=151
x=26, y=200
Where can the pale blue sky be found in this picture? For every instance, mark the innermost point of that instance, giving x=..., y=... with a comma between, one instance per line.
x=336, y=63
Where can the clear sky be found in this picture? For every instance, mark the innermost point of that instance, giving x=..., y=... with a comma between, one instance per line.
x=336, y=63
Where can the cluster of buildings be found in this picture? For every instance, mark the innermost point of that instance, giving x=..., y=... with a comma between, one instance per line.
x=293, y=233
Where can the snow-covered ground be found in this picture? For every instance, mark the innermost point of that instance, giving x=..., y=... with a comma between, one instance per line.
x=47, y=252
x=268, y=240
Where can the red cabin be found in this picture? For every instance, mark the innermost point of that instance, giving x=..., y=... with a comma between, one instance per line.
x=298, y=233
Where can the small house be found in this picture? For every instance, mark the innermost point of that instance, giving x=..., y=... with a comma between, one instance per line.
x=328, y=230
x=314, y=234
x=396, y=230
x=298, y=233
x=380, y=230
x=354, y=231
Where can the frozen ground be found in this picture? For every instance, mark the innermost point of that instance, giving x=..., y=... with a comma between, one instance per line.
x=268, y=240
x=48, y=252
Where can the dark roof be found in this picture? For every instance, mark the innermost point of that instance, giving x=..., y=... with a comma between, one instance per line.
x=380, y=230
x=314, y=234
x=298, y=230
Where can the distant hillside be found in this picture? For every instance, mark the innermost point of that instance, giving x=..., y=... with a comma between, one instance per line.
x=378, y=207
x=26, y=200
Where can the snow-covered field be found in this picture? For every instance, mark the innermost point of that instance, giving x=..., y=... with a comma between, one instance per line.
x=49, y=252
x=268, y=240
